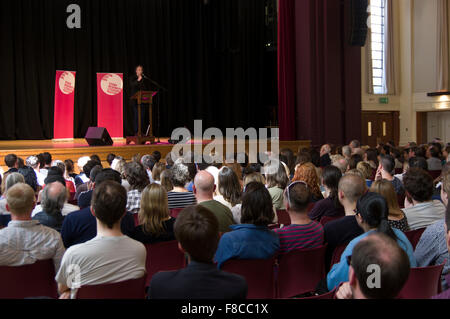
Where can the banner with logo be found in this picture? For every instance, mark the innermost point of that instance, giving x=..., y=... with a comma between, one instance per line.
x=110, y=103
x=64, y=104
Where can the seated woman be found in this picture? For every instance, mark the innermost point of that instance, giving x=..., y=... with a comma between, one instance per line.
x=372, y=216
x=229, y=188
x=330, y=206
x=252, y=239
x=179, y=196
x=307, y=173
x=277, y=180
x=157, y=171
x=397, y=218
x=156, y=225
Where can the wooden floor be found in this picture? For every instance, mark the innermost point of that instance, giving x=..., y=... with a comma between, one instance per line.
x=77, y=148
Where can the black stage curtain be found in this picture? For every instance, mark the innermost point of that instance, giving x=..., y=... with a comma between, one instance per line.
x=208, y=54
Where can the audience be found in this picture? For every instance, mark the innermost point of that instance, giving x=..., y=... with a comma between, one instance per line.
x=277, y=180
x=381, y=250
x=386, y=171
x=155, y=223
x=138, y=179
x=432, y=247
x=80, y=226
x=420, y=210
x=148, y=162
x=166, y=180
x=366, y=171
x=252, y=239
x=33, y=162
x=26, y=241
x=433, y=159
x=303, y=233
x=397, y=218
x=197, y=231
x=446, y=293
x=157, y=171
x=307, y=173
x=53, y=198
x=372, y=216
x=330, y=206
x=204, y=192
x=179, y=196
x=111, y=256
x=229, y=188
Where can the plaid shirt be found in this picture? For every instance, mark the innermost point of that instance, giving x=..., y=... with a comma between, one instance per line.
x=134, y=201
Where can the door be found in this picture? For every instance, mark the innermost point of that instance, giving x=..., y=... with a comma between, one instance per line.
x=380, y=127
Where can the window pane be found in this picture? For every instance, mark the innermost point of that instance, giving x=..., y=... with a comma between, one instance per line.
x=377, y=28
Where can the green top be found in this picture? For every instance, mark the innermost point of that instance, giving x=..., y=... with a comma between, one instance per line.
x=223, y=214
x=277, y=195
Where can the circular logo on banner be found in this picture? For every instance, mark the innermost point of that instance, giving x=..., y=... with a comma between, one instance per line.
x=67, y=82
x=112, y=84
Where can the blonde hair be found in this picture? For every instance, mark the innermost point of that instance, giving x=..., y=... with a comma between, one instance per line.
x=157, y=170
x=254, y=177
x=365, y=169
x=20, y=199
x=154, y=209
x=386, y=189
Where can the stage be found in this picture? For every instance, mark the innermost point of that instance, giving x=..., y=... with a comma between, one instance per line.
x=74, y=149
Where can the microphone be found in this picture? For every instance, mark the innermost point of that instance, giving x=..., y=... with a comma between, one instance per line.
x=145, y=77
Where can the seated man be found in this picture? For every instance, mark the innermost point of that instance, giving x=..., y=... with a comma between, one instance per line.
x=342, y=231
x=79, y=227
x=26, y=241
x=386, y=171
x=53, y=198
x=376, y=249
x=12, y=163
x=197, y=231
x=303, y=233
x=420, y=210
x=110, y=257
x=204, y=188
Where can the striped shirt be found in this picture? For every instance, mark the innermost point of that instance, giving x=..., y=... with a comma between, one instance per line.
x=181, y=200
x=295, y=237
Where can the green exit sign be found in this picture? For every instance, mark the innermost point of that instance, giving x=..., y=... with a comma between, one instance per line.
x=384, y=100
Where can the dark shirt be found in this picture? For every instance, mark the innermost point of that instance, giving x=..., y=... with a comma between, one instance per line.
x=54, y=222
x=81, y=226
x=11, y=170
x=325, y=160
x=84, y=200
x=326, y=207
x=398, y=186
x=340, y=232
x=146, y=238
x=197, y=281
x=144, y=85
x=401, y=224
x=4, y=220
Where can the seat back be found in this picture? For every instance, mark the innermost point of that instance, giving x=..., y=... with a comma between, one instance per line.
x=259, y=274
x=326, y=219
x=129, y=289
x=299, y=271
x=36, y=280
x=398, y=171
x=423, y=283
x=174, y=212
x=163, y=257
x=337, y=253
x=283, y=218
x=414, y=236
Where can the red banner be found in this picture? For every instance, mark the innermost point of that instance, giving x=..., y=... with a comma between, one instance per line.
x=64, y=101
x=110, y=103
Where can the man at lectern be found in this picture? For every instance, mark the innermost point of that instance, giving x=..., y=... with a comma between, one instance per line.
x=139, y=82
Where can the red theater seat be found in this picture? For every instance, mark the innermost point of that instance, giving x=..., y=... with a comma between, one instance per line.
x=130, y=289
x=163, y=257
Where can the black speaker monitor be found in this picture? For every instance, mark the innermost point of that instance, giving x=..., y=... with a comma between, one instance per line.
x=98, y=136
x=359, y=27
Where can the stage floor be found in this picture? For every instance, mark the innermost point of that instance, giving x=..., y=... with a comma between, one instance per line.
x=74, y=149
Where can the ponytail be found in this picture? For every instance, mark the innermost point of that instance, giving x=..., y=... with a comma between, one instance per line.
x=386, y=229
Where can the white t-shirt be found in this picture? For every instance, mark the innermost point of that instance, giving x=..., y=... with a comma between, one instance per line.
x=424, y=214
x=103, y=260
x=67, y=209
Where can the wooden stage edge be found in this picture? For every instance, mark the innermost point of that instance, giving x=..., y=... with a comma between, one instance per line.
x=62, y=150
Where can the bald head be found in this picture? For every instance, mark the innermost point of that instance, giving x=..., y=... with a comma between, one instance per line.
x=204, y=183
x=352, y=187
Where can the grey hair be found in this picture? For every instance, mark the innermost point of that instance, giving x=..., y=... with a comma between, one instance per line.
x=180, y=175
x=346, y=151
x=13, y=179
x=52, y=204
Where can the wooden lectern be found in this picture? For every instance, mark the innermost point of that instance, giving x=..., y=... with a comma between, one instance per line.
x=143, y=98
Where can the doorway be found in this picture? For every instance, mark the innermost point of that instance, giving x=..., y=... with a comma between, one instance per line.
x=380, y=127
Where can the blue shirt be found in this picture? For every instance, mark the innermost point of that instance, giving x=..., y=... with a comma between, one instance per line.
x=81, y=226
x=247, y=241
x=339, y=273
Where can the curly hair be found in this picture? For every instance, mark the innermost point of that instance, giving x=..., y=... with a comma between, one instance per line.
x=136, y=176
x=307, y=173
x=180, y=175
